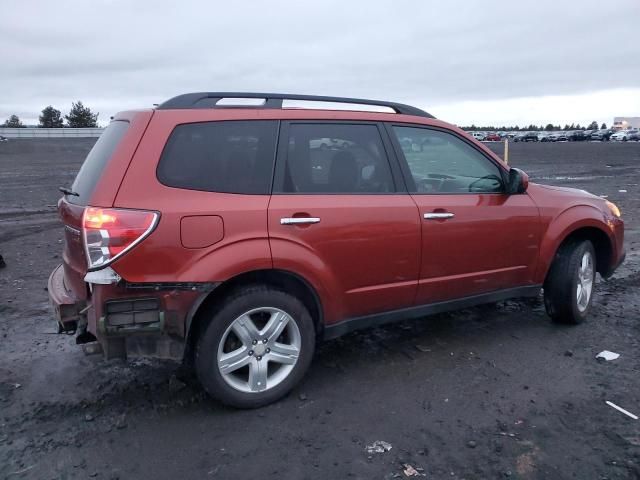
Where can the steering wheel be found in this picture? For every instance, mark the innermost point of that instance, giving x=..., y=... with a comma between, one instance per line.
x=474, y=186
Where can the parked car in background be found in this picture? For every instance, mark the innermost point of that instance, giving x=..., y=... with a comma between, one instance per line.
x=228, y=237
x=561, y=137
x=3, y=139
x=634, y=137
x=526, y=137
x=478, y=136
x=601, y=135
x=576, y=136
x=544, y=136
x=622, y=135
x=492, y=137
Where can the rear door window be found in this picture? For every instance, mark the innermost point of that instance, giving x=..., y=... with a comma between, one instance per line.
x=227, y=157
x=336, y=158
x=94, y=164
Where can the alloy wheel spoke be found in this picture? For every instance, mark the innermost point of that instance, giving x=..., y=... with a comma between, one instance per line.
x=232, y=361
x=245, y=329
x=282, y=353
x=275, y=326
x=580, y=293
x=258, y=376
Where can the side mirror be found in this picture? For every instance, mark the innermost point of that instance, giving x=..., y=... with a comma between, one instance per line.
x=518, y=181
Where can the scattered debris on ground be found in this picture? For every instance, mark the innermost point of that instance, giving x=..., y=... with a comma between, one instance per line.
x=378, y=446
x=607, y=356
x=620, y=409
x=410, y=471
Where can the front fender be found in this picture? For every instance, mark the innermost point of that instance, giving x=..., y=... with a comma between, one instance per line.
x=563, y=225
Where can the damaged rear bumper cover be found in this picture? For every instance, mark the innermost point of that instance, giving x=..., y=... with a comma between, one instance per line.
x=117, y=309
x=65, y=306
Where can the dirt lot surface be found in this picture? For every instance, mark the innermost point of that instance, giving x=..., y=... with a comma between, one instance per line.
x=491, y=392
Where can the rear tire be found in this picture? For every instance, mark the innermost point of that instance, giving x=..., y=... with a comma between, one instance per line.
x=569, y=287
x=257, y=337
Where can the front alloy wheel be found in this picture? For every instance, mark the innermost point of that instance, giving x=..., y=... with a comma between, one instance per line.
x=584, y=285
x=569, y=286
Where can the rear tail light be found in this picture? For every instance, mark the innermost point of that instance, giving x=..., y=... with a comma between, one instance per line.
x=110, y=232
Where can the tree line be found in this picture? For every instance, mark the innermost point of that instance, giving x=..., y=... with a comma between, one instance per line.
x=78, y=117
x=549, y=127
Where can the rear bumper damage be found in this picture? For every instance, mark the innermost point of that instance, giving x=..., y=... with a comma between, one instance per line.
x=146, y=319
x=66, y=307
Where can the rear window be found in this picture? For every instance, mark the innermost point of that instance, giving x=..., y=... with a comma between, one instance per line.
x=227, y=157
x=94, y=164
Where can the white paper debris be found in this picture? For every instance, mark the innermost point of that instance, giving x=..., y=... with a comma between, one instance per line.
x=409, y=471
x=622, y=191
x=620, y=409
x=607, y=355
x=378, y=447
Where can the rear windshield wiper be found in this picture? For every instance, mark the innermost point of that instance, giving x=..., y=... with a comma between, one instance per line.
x=68, y=191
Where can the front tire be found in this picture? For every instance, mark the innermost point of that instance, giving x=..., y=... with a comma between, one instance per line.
x=255, y=348
x=568, y=289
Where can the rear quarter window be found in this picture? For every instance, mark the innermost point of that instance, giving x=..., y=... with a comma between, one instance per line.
x=226, y=157
x=96, y=160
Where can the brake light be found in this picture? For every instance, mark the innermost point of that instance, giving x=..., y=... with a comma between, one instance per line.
x=110, y=232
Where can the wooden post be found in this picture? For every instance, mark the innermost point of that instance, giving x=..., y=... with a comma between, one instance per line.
x=506, y=150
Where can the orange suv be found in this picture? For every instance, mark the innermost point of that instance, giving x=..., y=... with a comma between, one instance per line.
x=235, y=230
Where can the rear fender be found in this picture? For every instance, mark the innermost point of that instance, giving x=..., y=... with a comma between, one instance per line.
x=299, y=259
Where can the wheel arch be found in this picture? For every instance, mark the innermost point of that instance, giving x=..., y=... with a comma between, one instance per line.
x=281, y=279
x=601, y=241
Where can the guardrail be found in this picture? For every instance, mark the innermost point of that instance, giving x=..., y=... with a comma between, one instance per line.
x=30, y=132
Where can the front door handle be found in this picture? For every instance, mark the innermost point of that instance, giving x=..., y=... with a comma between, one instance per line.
x=298, y=220
x=438, y=215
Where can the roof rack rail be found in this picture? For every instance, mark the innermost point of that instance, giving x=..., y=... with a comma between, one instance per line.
x=275, y=100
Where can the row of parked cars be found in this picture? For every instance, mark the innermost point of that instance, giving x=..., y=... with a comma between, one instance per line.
x=561, y=136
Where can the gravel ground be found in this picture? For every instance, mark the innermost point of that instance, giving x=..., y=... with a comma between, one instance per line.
x=491, y=392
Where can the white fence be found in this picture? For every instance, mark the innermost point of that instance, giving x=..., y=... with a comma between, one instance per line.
x=51, y=132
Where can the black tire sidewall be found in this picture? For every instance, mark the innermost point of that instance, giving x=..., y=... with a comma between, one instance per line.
x=561, y=297
x=244, y=300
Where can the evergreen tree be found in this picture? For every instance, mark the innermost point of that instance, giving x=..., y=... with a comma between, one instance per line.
x=13, y=122
x=50, y=118
x=81, y=117
x=593, y=126
x=603, y=126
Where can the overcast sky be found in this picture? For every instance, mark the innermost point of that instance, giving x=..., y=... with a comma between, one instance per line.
x=487, y=62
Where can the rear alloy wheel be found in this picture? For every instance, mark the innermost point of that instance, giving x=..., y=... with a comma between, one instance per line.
x=568, y=290
x=245, y=344
x=255, y=348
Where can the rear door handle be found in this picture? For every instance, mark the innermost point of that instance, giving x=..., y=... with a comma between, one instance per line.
x=298, y=220
x=438, y=215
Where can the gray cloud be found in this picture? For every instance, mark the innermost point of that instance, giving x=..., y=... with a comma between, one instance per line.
x=120, y=54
